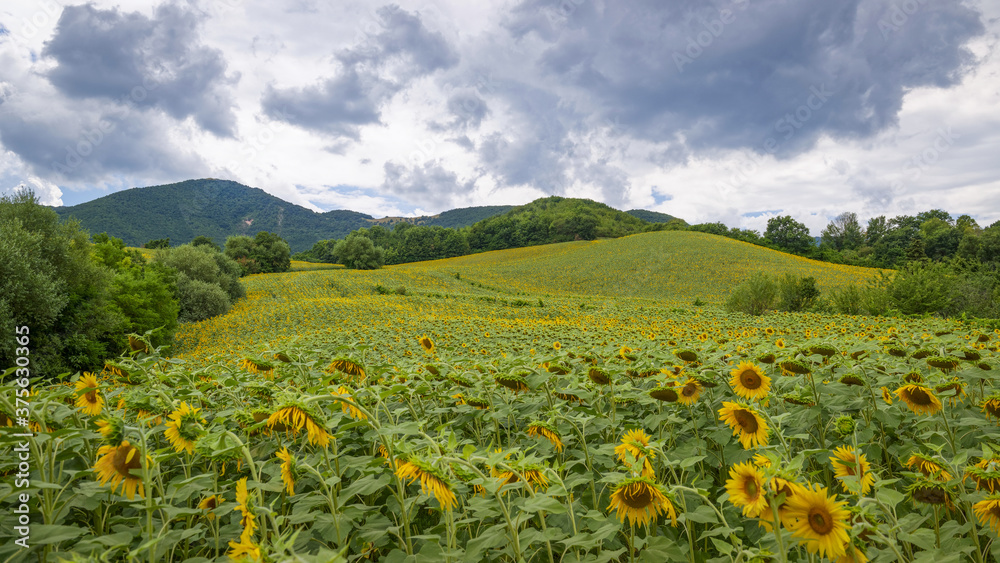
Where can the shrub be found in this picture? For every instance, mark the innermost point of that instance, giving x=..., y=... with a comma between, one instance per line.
x=796, y=294
x=754, y=296
x=360, y=253
x=200, y=300
x=922, y=287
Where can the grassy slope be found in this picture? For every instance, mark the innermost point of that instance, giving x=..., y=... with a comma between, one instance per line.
x=670, y=265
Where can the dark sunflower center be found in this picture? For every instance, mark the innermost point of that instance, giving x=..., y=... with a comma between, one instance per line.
x=123, y=467
x=637, y=495
x=91, y=396
x=920, y=397
x=820, y=521
x=930, y=495
x=747, y=421
x=751, y=489
x=689, y=390
x=750, y=379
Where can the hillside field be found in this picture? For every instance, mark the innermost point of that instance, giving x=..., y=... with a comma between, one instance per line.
x=565, y=403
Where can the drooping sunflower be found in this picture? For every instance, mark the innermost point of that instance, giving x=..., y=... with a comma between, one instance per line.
x=432, y=481
x=257, y=365
x=887, y=395
x=112, y=429
x=598, y=376
x=89, y=400
x=427, y=344
x=818, y=520
x=641, y=501
x=853, y=554
x=928, y=466
x=351, y=410
x=761, y=460
x=539, y=429
x=919, y=399
x=749, y=382
x=248, y=519
x=749, y=426
x=986, y=474
x=930, y=492
x=184, y=428
x=513, y=381
x=746, y=489
x=117, y=464
x=991, y=406
x=849, y=463
x=210, y=503
x=294, y=418
x=689, y=393
x=665, y=393
x=636, y=443
x=988, y=512
x=287, y=470
x=348, y=367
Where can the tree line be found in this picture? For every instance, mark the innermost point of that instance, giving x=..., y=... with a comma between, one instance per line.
x=544, y=221
x=81, y=298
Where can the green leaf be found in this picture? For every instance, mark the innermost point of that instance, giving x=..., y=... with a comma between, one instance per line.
x=701, y=515
x=44, y=534
x=544, y=502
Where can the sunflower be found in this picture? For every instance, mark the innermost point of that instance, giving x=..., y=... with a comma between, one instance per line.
x=432, y=481
x=988, y=512
x=256, y=365
x=513, y=381
x=986, y=474
x=243, y=551
x=779, y=488
x=928, y=466
x=746, y=423
x=919, y=399
x=930, y=492
x=746, y=489
x=112, y=430
x=887, y=395
x=635, y=443
x=90, y=400
x=991, y=406
x=598, y=376
x=761, y=460
x=351, y=410
x=641, y=501
x=819, y=521
x=689, y=393
x=780, y=343
x=749, y=381
x=427, y=344
x=848, y=463
x=665, y=394
x=348, y=367
x=184, y=428
x=117, y=466
x=853, y=554
x=557, y=345
x=248, y=519
x=540, y=429
x=210, y=503
x=287, y=470
x=294, y=418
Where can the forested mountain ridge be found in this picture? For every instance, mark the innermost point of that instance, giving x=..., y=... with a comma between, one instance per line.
x=221, y=208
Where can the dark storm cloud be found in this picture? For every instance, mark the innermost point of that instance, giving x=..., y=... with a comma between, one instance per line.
x=156, y=61
x=91, y=146
x=735, y=74
x=427, y=184
x=371, y=73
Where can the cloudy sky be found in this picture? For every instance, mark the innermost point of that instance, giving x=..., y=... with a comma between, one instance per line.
x=710, y=110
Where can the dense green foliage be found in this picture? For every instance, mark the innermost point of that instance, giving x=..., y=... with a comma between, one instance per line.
x=207, y=280
x=264, y=253
x=357, y=251
x=543, y=221
x=79, y=300
x=651, y=216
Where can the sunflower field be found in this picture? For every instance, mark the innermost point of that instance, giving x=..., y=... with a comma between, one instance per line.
x=469, y=418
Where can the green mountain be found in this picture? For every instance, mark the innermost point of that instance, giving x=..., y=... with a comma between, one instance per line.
x=220, y=208
x=454, y=219
x=651, y=216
